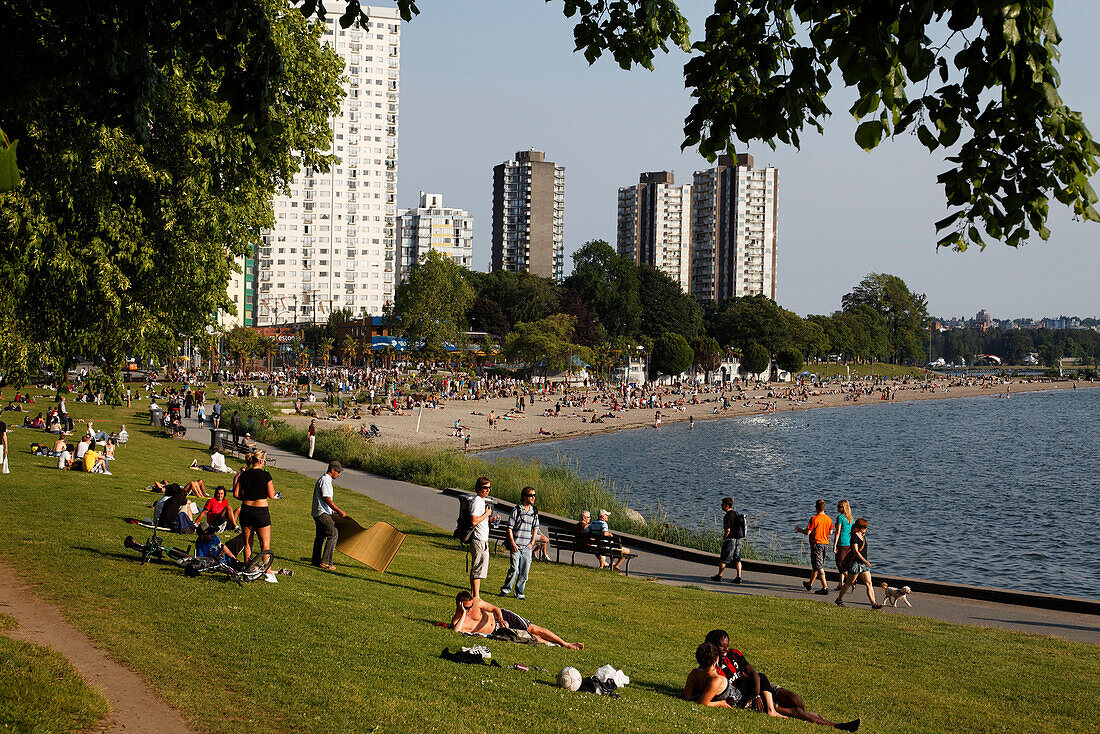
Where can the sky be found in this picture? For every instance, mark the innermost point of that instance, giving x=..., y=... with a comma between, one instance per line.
x=483, y=79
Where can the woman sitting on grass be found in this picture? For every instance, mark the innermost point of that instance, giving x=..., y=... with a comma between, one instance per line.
x=218, y=512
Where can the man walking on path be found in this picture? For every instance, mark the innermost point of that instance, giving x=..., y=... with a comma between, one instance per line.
x=188, y=403
x=818, y=528
x=216, y=414
x=479, y=542
x=523, y=529
x=733, y=524
x=235, y=426
x=312, y=436
x=323, y=509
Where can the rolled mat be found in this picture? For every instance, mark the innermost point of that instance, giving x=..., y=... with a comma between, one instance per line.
x=374, y=546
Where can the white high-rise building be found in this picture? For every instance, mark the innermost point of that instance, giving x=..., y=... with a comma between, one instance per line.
x=734, y=230
x=431, y=226
x=334, y=244
x=654, y=225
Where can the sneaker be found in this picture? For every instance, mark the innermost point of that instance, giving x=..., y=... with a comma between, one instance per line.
x=278, y=495
x=195, y=464
x=838, y=602
x=504, y=593
x=807, y=585
x=736, y=580
x=520, y=596
x=715, y=577
x=822, y=592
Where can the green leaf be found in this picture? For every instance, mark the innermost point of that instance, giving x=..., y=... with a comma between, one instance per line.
x=869, y=135
x=9, y=172
x=927, y=138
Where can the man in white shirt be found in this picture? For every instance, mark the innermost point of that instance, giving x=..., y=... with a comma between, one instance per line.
x=323, y=509
x=479, y=543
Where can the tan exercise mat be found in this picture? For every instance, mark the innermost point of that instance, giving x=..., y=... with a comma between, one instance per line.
x=375, y=546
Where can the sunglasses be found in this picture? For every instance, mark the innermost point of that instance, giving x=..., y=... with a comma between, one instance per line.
x=528, y=496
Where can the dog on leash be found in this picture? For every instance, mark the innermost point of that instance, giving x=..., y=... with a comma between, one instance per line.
x=893, y=594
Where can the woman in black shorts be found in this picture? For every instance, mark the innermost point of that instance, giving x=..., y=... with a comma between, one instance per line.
x=254, y=487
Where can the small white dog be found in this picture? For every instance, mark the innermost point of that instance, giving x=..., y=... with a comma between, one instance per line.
x=893, y=594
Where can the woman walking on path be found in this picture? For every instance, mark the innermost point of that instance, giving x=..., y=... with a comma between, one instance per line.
x=842, y=537
x=254, y=487
x=859, y=568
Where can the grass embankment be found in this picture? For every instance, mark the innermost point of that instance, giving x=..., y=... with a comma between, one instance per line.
x=355, y=650
x=40, y=692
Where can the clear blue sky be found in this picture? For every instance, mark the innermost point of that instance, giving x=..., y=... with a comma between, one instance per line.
x=483, y=79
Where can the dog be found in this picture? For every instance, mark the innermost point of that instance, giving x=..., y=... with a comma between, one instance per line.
x=892, y=594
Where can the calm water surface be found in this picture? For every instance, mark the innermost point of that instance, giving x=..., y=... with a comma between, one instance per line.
x=985, y=491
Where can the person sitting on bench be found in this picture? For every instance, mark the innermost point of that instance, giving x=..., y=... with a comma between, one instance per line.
x=474, y=616
x=599, y=528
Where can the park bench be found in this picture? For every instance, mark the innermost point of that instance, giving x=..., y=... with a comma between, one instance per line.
x=602, y=545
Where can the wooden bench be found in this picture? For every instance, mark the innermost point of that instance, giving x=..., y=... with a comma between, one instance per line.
x=602, y=545
x=242, y=450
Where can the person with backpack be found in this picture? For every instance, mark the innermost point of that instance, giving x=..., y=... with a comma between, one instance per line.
x=523, y=533
x=473, y=529
x=734, y=528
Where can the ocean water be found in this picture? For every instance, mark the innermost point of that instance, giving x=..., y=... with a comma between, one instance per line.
x=985, y=491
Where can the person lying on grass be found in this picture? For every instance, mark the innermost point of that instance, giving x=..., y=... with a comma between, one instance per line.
x=195, y=488
x=474, y=616
x=746, y=687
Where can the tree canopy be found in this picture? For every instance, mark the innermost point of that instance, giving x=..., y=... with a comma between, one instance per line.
x=671, y=354
x=429, y=309
x=904, y=312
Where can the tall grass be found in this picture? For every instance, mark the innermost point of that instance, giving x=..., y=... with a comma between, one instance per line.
x=561, y=490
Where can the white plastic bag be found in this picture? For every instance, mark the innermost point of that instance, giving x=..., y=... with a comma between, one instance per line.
x=608, y=672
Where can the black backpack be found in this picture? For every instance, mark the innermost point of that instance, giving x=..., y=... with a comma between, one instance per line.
x=740, y=526
x=464, y=528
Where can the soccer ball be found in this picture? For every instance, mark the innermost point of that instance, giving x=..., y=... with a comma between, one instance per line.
x=569, y=679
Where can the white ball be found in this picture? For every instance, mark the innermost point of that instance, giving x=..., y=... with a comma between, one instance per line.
x=569, y=678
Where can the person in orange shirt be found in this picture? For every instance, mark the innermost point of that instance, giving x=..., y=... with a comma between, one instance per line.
x=818, y=528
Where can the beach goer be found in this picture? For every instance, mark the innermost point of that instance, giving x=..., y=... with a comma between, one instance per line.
x=323, y=509
x=708, y=686
x=732, y=534
x=312, y=436
x=217, y=463
x=218, y=512
x=859, y=568
x=209, y=545
x=479, y=542
x=235, y=426
x=523, y=531
x=601, y=527
x=842, y=537
x=4, y=447
x=254, y=487
x=818, y=529
x=755, y=691
x=474, y=616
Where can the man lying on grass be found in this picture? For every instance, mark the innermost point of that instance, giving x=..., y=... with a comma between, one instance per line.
x=474, y=616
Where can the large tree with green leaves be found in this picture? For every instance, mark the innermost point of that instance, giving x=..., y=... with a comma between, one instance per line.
x=545, y=345
x=977, y=79
x=904, y=312
x=608, y=283
x=429, y=308
x=665, y=306
x=672, y=355
x=152, y=138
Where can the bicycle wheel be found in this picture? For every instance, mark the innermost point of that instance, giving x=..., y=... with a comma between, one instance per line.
x=260, y=564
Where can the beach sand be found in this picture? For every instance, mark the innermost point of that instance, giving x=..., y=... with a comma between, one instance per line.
x=436, y=425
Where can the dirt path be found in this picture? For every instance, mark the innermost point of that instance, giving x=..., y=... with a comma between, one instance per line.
x=134, y=706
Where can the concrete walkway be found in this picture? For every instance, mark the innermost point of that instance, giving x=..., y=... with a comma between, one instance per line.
x=439, y=509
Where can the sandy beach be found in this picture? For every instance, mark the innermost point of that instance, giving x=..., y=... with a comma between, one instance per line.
x=437, y=426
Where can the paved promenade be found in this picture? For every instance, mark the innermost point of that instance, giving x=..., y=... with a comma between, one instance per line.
x=439, y=509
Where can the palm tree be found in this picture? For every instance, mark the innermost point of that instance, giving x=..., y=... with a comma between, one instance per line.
x=350, y=350
x=324, y=348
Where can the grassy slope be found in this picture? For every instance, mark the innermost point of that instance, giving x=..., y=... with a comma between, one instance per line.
x=355, y=650
x=40, y=692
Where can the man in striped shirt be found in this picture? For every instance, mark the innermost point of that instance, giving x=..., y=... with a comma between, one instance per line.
x=523, y=530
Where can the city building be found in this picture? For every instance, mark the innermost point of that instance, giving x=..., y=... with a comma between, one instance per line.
x=241, y=295
x=431, y=226
x=654, y=225
x=529, y=215
x=334, y=244
x=733, y=230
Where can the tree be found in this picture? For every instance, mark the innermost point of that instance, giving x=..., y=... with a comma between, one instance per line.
x=588, y=331
x=152, y=139
x=755, y=359
x=763, y=70
x=1051, y=354
x=324, y=349
x=521, y=296
x=665, y=306
x=789, y=360
x=671, y=354
x=430, y=307
x=904, y=312
x=608, y=283
x=485, y=315
x=707, y=353
x=755, y=319
x=545, y=345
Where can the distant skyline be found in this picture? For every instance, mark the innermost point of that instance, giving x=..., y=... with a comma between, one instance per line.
x=480, y=81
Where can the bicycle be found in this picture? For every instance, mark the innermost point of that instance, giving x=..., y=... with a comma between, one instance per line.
x=257, y=567
x=155, y=548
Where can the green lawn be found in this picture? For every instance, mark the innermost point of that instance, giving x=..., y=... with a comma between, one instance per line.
x=356, y=650
x=40, y=692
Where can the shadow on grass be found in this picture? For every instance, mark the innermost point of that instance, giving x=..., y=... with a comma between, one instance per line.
x=662, y=689
x=117, y=555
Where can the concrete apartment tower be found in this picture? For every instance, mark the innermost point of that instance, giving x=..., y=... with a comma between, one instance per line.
x=654, y=225
x=734, y=236
x=431, y=226
x=334, y=244
x=529, y=215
